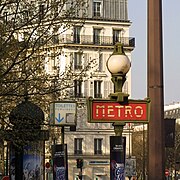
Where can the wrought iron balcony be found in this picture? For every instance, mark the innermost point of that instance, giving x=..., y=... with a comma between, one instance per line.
x=98, y=152
x=98, y=95
x=78, y=152
x=93, y=40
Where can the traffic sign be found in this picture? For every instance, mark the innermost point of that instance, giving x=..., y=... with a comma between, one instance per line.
x=167, y=172
x=5, y=178
x=63, y=113
x=47, y=165
x=102, y=110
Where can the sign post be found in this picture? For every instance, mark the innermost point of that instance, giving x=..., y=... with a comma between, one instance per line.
x=62, y=113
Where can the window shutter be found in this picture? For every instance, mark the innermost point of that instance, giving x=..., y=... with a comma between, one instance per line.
x=75, y=144
x=95, y=145
x=111, y=87
x=105, y=58
x=72, y=60
x=86, y=59
x=106, y=92
x=101, y=63
x=91, y=88
x=86, y=89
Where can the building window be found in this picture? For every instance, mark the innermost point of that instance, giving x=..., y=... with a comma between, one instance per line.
x=77, y=88
x=97, y=89
x=96, y=36
x=5, y=17
x=98, y=146
x=97, y=8
x=116, y=36
x=78, y=146
x=55, y=9
x=76, y=35
x=41, y=11
x=26, y=15
x=55, y=39
x=77, y=61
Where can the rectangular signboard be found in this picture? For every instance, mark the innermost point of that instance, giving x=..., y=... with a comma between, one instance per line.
x=130, y=167
x=63, y=113
x=117, y=157
x=113, y=111
x=29, y=161
x=60, y=165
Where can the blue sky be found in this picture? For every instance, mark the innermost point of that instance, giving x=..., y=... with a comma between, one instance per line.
x=171, y=49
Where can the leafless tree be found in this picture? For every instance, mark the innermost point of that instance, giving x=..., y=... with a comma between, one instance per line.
x=30, y=34
x=28, y=29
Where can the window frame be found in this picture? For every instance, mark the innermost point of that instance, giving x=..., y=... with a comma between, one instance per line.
x=78, y=88
x=78, y=60
x=78, y=146
x=96, y=35
x=98, y=146
x=116, y=35
x=97, y=8
x=77, y=34
x=97, y=89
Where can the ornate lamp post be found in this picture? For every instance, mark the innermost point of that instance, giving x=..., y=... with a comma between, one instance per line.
x=118, y=65
x=118, y=110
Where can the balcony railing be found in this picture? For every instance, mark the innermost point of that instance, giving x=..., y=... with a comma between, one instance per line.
x=90, y=40
x=98, y=95
x=98, y=152
x=78, y=152
x=77, y=67
x=78, y=95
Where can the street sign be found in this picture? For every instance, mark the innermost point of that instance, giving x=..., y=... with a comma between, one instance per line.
x=63, y=113
x=167, y=172
x=100, y=110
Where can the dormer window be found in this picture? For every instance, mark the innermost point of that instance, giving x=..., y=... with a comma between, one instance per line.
x=97, y=8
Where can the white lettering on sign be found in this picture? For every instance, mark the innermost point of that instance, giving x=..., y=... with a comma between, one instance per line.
x=119, y=111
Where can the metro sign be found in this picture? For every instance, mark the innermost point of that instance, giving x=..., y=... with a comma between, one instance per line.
x=113, y=111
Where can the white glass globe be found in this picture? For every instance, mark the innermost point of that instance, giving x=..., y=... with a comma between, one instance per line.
x=118, y=63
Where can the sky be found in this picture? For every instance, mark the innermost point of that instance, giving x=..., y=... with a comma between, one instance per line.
x=171, y=49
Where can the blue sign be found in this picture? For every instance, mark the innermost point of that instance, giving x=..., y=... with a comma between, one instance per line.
x=59, y=119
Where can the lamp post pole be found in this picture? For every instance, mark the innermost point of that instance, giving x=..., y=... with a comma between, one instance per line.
x=156, y=169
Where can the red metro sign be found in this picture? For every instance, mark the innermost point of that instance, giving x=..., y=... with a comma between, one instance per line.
x=112, y=111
